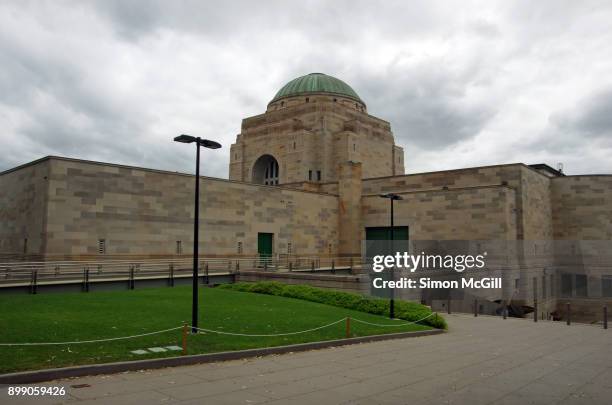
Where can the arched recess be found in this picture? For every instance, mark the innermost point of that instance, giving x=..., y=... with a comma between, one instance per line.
x=266, y=171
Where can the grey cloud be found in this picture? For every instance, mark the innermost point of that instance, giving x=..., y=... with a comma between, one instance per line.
x=592, y=117
x=484, y=28
x=588, y=124
x=580, y=137
x=115, y=80
x=333, y=22
x=426, y=106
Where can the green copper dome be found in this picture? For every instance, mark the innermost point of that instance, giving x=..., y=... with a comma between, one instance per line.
x=316, y=83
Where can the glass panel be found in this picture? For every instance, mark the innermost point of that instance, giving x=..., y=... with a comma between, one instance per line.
x=552, y=286
x=581, y=285
x=606, y=285
x=566, y=285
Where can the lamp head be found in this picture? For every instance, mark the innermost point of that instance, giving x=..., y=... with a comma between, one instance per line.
x=203, y=142
x=391, y=196
x=210, y=144
x=184, y=139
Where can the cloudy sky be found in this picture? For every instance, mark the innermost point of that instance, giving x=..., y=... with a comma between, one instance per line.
x=462, y=83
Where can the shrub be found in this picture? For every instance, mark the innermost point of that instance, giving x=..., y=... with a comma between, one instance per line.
x=407, y=310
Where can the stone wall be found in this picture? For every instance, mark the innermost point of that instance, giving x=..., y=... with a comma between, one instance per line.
x=349, y=210
x=398, y=161
x=315, y=136
x=472, y=213
x=145, y=212
x=532, y=191
x=23, y=192
x=348, y=283
x=582, y=208
x=536, y=205
x=470, y=177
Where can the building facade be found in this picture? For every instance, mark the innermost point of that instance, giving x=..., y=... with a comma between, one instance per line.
x=306, y=175
x=313, y=123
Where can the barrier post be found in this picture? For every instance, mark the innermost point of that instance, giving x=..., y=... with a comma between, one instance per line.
x=184, y=339
x=131, y=281
x=568, y=313
x=312, y=267
x=348, y=327
x=87, y=279
x=34, y=280
x=290, y=266
x=535, y=310
x=237, y=266
x=333, y=268
x=605, y=316
x=85, y=287
x=171, y=269
x=476, y=307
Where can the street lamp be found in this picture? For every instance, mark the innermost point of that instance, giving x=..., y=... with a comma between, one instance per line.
x=392, y=197
x=211, y=145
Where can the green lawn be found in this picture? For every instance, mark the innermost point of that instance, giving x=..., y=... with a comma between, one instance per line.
x=55, y=317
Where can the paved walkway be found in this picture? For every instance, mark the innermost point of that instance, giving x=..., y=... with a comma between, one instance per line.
x=482, y=360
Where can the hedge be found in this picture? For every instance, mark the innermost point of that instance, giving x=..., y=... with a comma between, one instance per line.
x=407, y=310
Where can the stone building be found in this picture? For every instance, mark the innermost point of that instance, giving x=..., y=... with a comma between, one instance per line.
x=313, y=123
x=304, y=180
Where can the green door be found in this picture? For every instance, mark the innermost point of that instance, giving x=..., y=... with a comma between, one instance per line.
x=375, y=247
x=264, y=246
x=376, y=237
x=384, y=233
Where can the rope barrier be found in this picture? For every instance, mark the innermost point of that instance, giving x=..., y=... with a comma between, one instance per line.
x=210, y=331
x=270, y=335
x=89, y=341
x=402, y=324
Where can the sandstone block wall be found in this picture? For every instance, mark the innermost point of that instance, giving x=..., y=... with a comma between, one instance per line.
x=532, y=191
x=582, y=207
x=536, y=208
x=478, y=213
x=349, y=210
x=145, y=212
x=23, y=193
x=398, y=161
x=470, y=177
x=315, y=136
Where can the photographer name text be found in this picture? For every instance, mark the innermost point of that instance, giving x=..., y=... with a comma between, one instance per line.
x=486, y=282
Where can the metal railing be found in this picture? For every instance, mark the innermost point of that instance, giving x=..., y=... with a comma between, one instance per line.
x=88, y=271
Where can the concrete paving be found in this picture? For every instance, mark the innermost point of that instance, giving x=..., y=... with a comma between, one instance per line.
x=483, y=360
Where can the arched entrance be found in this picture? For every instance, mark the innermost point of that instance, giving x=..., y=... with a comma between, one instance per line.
x=265, y=171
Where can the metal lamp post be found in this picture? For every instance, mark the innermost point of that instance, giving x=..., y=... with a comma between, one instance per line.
x=392, y=197
x=211, y=145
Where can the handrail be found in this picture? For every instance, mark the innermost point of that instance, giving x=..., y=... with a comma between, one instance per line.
x=174, y=260
x=95, y=269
